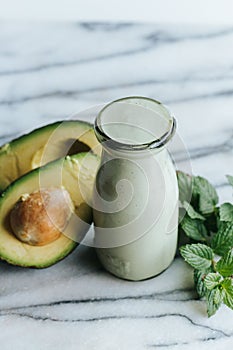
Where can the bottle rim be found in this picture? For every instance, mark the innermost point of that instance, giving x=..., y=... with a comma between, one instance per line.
x=157, y=143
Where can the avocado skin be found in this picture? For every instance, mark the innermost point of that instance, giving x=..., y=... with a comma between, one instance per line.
x=54, y=252
x=42, y=266
x=16, y=157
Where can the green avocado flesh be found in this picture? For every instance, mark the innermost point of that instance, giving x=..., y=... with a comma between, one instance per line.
x=44, y=145
x=74, y=173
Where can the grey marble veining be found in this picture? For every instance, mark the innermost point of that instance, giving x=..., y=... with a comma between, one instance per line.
x=51, y=71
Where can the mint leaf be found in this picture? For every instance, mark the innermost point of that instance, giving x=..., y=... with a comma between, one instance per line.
x=230, y=179
x=199, y=277
x=225, y=264
x=214, y=300
x=222, y=242
x=192, y=213
x=185, y=186
x=226, y=212
x=207, y=194
x=227, y=286
x=199, y=282
x=197, y=255
x=218, y=296
x=194, y=229
x=212, y=280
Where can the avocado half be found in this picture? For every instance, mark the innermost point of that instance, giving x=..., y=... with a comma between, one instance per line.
x=76, y=174
x=44, y=145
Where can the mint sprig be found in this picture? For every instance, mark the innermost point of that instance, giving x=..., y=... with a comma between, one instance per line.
x=209, y=229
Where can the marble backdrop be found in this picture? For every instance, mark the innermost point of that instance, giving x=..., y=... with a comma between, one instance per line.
x=51, y=71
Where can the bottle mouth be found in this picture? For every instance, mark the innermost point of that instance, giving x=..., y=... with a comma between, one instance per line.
x=135, y=123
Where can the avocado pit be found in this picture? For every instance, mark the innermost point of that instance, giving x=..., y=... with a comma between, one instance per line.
x=40, y=218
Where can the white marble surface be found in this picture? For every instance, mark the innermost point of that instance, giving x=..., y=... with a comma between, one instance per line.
x=50, y=71
x=166, y=11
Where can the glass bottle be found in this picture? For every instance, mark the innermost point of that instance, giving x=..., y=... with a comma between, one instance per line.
x=136, y=194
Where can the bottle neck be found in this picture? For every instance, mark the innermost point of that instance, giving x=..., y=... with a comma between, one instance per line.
x=111, y=153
